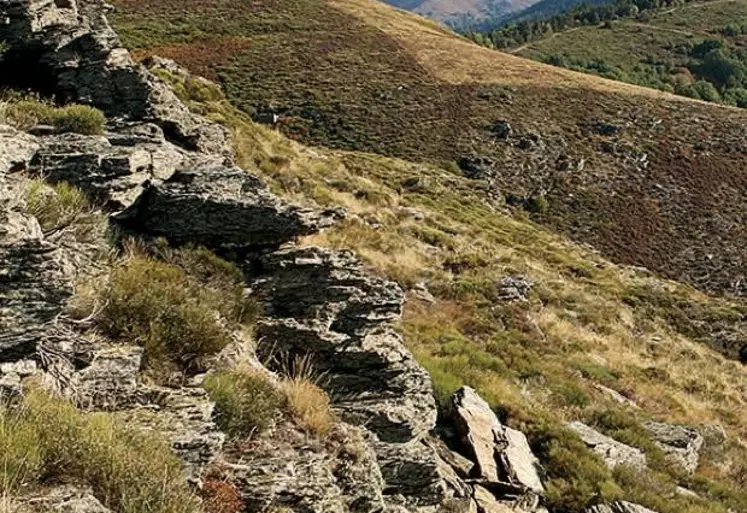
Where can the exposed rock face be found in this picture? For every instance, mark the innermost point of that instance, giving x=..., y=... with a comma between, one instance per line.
x=682, y=444
x=619, y=507
x=321, y=302
x=16, y=149
x=219, y=207
x=36, y=277
x=501, y=454
x=68, y=48
x=612, y=452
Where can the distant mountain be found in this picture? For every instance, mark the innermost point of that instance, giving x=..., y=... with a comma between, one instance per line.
x=545, y=9
x=465, y=13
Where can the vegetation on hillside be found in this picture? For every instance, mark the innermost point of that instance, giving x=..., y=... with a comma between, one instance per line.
x=586, y=326
x=710, y=66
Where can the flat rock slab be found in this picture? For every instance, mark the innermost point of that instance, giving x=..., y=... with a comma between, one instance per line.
x=219, y=207
x=501, y=454
x=612, y=452
x=619, y=507
x=681, y=443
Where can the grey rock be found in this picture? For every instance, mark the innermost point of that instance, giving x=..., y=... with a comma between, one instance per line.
x=323, y=303
x=285, y=471
x=70, y=49
x=461, y=465
x=16, y=149
x=615, y=396
x=219, y=207
x=501, y=454
x=501, y=129
x=487, y=503
x=421, y=293
x=477, y=167
x=619, y=507
x=111, y=168
x=682, y=444
x=36, y=278
x=612, y=452
x=62, y=499
x=514, y=288
x=111, y=381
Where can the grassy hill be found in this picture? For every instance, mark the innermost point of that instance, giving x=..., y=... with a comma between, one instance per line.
x=623, y=168
x=662, y=190
x=588, y=326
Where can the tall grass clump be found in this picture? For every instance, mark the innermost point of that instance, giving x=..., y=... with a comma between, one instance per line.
x=55, y=206
x=44, y=438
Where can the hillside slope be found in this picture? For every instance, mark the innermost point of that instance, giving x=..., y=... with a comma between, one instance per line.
x=648, y=178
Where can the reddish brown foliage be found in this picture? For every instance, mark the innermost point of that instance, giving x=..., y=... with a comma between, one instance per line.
x=221, y=497
x=201, y=57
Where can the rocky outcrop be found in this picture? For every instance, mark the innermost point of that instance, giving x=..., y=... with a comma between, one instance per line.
x=680, y=443
x=612, y=452
x=502, y=455
x=68, y=48
x=619, y=507
x=219, y=207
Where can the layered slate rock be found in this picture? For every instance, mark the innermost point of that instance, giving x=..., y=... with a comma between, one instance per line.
x=286, y=471
x=502, y=455
x=62, y=499
x=109, y=168
x=68, y=48
x=36, y=277
x=16, y=149
x=323, y=303
x=682, y=444
x=613, y=453
x=219, y=207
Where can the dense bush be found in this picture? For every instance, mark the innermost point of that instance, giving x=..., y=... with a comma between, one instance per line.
x=170, y=312
x=24, y=112
x=47, y=438
x=79, y=119
x=246, y=403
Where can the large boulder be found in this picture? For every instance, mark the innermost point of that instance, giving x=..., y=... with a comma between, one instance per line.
x=613, y=453
x=220, y=207
x=681, y=443
x=501, y=454
x=36, y=277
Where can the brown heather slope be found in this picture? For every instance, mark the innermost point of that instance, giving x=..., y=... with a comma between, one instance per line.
x=664, y=191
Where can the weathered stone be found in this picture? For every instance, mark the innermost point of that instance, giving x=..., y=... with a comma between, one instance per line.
x=421, y=293
x=36, y=278
x=219, y=207
x=16, y=149
x=322, y=303
x=487, y=503
x=285, y=471
x=111, y=380
x=501, y=454
x=110, y=169
x=62, y=499
x=514, y=288
x=682, y=444
x=612, y=452
x=619, y=507
x=461, y=465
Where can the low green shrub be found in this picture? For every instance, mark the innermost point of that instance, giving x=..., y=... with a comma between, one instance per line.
x=79, y=119
x=246, y=403
x=158, y=306
x=26, y=113
x=46, y=438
